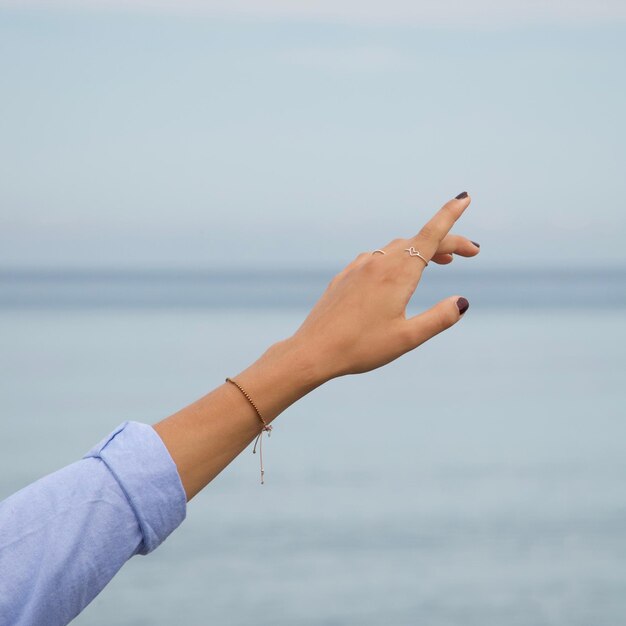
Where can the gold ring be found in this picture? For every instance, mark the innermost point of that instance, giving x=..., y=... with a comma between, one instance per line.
x=380, y=251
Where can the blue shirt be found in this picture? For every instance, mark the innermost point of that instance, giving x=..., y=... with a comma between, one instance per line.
x=65, y=536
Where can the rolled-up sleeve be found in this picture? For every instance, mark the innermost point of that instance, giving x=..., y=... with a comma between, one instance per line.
x=65, y=536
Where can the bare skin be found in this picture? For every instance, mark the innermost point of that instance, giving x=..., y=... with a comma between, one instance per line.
x=358, y=324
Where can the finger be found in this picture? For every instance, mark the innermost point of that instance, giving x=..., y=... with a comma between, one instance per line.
x=455, y=244
x=443, y=259
x=433, y=232
x=443, y=315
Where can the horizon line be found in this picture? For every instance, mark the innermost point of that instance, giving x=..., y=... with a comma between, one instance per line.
x=59, y=271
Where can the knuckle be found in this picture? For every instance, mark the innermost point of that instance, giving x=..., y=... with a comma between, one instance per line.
x=369, y=267
x=379, y=272
x=358, y=260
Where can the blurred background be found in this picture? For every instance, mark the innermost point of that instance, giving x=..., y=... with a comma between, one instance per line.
x=180, y=181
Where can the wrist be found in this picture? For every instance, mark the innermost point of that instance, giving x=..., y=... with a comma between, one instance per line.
x=310, y=371
x=283, y=374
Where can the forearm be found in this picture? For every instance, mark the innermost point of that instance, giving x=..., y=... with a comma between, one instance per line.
x=204, y=437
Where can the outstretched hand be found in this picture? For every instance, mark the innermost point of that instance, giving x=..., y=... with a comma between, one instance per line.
x=357, y=325
x=360, y=321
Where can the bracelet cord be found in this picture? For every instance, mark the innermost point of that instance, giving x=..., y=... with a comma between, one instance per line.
x=266, y=427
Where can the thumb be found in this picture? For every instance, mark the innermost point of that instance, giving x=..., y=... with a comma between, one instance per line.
x=437, y=319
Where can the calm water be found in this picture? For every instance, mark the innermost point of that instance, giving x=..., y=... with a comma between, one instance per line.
x=479, y=480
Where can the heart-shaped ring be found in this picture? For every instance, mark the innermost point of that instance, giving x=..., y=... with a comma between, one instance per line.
x=413, y=252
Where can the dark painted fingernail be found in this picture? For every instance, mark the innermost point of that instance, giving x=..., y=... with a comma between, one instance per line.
x=476, y=244
x=463, y=305
x=462, y=195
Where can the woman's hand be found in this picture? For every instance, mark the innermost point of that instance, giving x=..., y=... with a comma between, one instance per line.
x=360, y=321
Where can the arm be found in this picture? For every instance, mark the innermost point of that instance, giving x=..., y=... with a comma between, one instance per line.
x=358, y=324
x=65, y=536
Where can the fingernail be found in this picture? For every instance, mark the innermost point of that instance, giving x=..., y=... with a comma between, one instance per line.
x=463, y=305
x=476, y=244
x=462, y=195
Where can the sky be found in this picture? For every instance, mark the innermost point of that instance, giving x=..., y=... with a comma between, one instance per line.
x=160, y=134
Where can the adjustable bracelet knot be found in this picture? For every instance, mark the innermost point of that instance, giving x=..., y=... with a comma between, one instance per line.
x=266, y=427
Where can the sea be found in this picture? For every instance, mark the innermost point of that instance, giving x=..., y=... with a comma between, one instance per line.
x=479, y=480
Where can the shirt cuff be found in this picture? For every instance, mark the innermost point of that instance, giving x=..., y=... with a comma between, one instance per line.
x=141, y=464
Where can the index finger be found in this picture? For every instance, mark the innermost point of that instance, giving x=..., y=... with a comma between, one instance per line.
x=440, y=224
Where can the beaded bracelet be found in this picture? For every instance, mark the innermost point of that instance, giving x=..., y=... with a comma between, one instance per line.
x=266, y=427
